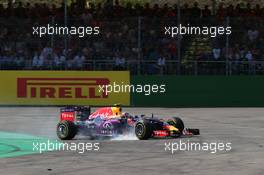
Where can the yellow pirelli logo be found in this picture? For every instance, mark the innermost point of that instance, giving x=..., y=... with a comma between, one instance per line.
x=61, y=87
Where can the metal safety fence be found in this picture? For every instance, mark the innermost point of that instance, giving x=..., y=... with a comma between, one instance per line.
x=150, y=67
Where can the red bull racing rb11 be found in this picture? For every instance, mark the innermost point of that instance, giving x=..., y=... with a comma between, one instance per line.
x=111, y=122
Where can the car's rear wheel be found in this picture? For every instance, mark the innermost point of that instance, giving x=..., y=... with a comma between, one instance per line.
x=66, y=130
x=177, y=122
x=143, y=130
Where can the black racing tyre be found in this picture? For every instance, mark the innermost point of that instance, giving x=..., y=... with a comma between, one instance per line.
x=143, y=130
x=177, y=122
x=66, y=130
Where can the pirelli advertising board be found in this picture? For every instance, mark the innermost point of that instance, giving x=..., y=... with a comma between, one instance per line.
x=62, y=87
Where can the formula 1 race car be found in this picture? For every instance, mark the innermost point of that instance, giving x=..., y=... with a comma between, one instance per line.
x=111, y=122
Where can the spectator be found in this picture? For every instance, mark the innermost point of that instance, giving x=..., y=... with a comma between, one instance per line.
x=119, y=62
x=172, y=49
x=41, y=61
x=161, y=64
x=248, y=11
x=186, y=12
x=237, y=56
x=35, y=60
x=249, y=56
x=78, y=61
x=238, y=10
x=47, y=51
x=242, y=53
x=251, y=63
x=196, y=11
x=56, y=61
x=230, y=11
x=62, y=59
x=20, y=61
x=221, y=12
x=216, y=53
x=258, y=11
x=253, y=35
x=206, y=12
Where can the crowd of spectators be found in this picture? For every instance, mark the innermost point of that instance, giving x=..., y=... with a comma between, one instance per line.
x=122, y=28
x=247, y=40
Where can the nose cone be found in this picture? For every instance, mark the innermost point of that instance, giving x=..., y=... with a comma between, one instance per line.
x=171, y=128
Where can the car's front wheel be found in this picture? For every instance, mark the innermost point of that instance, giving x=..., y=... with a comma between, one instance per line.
x=177, y=122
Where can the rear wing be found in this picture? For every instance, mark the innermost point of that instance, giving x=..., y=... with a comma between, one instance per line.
x=74, y=113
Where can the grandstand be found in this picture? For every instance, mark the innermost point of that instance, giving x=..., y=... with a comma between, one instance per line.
x=132, y=37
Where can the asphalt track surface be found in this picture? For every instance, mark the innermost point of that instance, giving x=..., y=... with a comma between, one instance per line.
x=243, y=127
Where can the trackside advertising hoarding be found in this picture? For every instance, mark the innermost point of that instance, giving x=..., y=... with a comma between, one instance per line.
x=62, y=87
